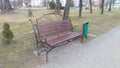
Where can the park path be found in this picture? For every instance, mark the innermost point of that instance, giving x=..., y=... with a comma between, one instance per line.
x=102, y=52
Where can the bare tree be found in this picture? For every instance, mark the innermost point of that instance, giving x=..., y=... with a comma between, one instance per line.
x=71, y=3
x=1, y=5
x=58, y=5
x=90, y=6
x=5, y=6
x=66, y=10
x=113, y=2
x=80, y=8
x=102, y=6
x=44, y=3
x=110, y=5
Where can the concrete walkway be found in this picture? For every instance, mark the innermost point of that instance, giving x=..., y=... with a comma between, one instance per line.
x=102, y=52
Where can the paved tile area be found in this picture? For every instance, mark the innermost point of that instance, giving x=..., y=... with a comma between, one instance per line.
x=102, y=52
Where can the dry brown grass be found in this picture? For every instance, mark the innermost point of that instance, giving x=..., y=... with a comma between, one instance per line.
x=19, y=54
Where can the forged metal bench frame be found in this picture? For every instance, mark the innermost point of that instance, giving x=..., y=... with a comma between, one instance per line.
x=59, y=32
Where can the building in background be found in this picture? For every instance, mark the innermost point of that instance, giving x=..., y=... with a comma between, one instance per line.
x=117, y=4
x=36, y=3
x=45, y=3
x=41, y=3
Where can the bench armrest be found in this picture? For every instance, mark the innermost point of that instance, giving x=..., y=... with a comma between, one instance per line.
x=81, y=30
x=43, y=40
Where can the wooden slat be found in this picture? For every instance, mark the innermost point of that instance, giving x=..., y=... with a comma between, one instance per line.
x=63, y=38
x=46, y=29
x=64, y=26
x=55, y=28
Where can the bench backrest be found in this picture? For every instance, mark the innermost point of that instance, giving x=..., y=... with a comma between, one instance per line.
x=64, y=26
x=54, y=28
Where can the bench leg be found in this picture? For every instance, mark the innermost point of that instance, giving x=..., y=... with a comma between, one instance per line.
x=82, y=39
x=47, y=54
x=39, y=48
x=47, y=57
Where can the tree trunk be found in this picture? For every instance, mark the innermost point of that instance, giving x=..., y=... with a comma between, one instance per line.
x=102, y=6
x=80, y=8
x=1, y=6
x=110, y=5
x=66, y=10
x=57, y=6
x=7, y=6
x=90, y=6
x=47, y=4
x=113, y=2
x=71, y=3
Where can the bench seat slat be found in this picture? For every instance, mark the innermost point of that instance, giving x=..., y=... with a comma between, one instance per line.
x=60, y=39
x=48, y=33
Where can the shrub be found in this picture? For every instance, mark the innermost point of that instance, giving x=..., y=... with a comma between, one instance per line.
x=7, y=33
x=30, y=14
x=62, y=8
x=60, y=4
x=52, y=5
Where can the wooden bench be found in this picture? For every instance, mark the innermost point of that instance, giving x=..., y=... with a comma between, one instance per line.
x=52, y=35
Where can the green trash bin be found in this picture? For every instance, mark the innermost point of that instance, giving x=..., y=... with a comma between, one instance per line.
x=85, y=29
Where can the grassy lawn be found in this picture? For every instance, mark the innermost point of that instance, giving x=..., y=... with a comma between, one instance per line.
x=19, y=54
